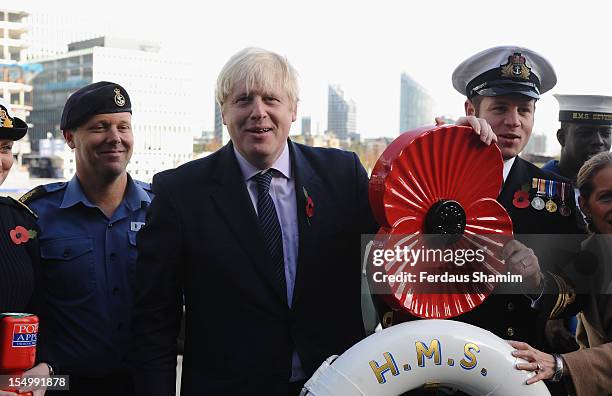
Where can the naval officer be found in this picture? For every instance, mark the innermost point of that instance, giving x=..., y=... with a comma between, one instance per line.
x=501, y=86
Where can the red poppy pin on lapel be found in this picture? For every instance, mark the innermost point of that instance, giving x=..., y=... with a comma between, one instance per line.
x=309, y=205
x=21, y=235
x=521, y=199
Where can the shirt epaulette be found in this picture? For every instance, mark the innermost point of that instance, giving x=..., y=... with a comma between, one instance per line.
x=40, y=191
x=23, y=206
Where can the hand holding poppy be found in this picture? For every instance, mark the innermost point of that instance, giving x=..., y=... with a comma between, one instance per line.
x=522, y=260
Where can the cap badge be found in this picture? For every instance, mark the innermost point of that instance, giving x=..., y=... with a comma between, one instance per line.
x=516, y=67
x=6, y=120
x=119, y=99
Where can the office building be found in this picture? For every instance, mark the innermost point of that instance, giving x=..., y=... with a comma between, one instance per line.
x=161, y=90
x=341, y=113
x=15, y=77
x=415, y=105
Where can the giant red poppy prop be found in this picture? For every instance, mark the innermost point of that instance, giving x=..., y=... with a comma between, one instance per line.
x=436, y=188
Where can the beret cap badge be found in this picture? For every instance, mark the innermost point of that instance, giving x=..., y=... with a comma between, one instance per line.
x=102, y=97
x=119, y=99
x=516, y=67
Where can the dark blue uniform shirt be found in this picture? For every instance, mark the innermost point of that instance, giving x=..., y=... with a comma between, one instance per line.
x=552, y=166
x=87, y=267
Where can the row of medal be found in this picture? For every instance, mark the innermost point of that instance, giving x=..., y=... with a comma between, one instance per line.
x=546, y=193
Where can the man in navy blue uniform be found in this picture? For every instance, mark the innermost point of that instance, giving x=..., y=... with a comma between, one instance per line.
x=502, y=85
x=88, y=252
x=586, y=130
x=263, y=237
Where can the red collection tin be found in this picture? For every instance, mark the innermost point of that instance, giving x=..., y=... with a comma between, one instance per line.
x=18, y=336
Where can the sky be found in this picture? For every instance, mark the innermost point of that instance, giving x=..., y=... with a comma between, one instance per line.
x=365, y=46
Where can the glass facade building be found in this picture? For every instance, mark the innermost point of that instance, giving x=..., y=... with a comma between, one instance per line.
x=58, y=79
x=161, y=91
x=341, y=113
x=415, y=105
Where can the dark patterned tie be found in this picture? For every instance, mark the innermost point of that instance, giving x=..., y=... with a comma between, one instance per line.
x=270, y=226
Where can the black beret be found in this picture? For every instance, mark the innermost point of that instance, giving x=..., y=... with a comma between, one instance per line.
x=98, y=98
x=11, y=127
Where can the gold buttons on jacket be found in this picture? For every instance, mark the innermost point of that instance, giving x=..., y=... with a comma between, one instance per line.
x=510, y=332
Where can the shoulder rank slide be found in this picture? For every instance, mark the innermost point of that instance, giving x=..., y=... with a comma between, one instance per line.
x=23, y=206
x=32, y=194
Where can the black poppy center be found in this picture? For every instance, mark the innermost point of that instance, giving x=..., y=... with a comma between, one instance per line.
x=446, y=218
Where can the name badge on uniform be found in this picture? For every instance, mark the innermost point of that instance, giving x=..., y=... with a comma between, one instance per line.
x=136, y=225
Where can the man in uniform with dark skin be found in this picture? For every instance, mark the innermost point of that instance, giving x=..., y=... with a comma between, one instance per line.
x=586, y=130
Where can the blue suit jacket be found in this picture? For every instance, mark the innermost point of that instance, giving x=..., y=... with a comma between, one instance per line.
x=202, y=238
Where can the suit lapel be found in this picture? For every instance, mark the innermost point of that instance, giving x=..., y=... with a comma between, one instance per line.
x=236, y=207
x=305, y=178
x=513, y=183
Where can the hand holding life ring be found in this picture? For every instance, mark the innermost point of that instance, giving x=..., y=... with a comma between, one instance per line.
x=425, y=352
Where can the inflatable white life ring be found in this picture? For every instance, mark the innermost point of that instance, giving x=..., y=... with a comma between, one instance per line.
x=424, y=352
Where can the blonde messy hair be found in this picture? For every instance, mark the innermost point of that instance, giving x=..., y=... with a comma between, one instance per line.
x=256, y=67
